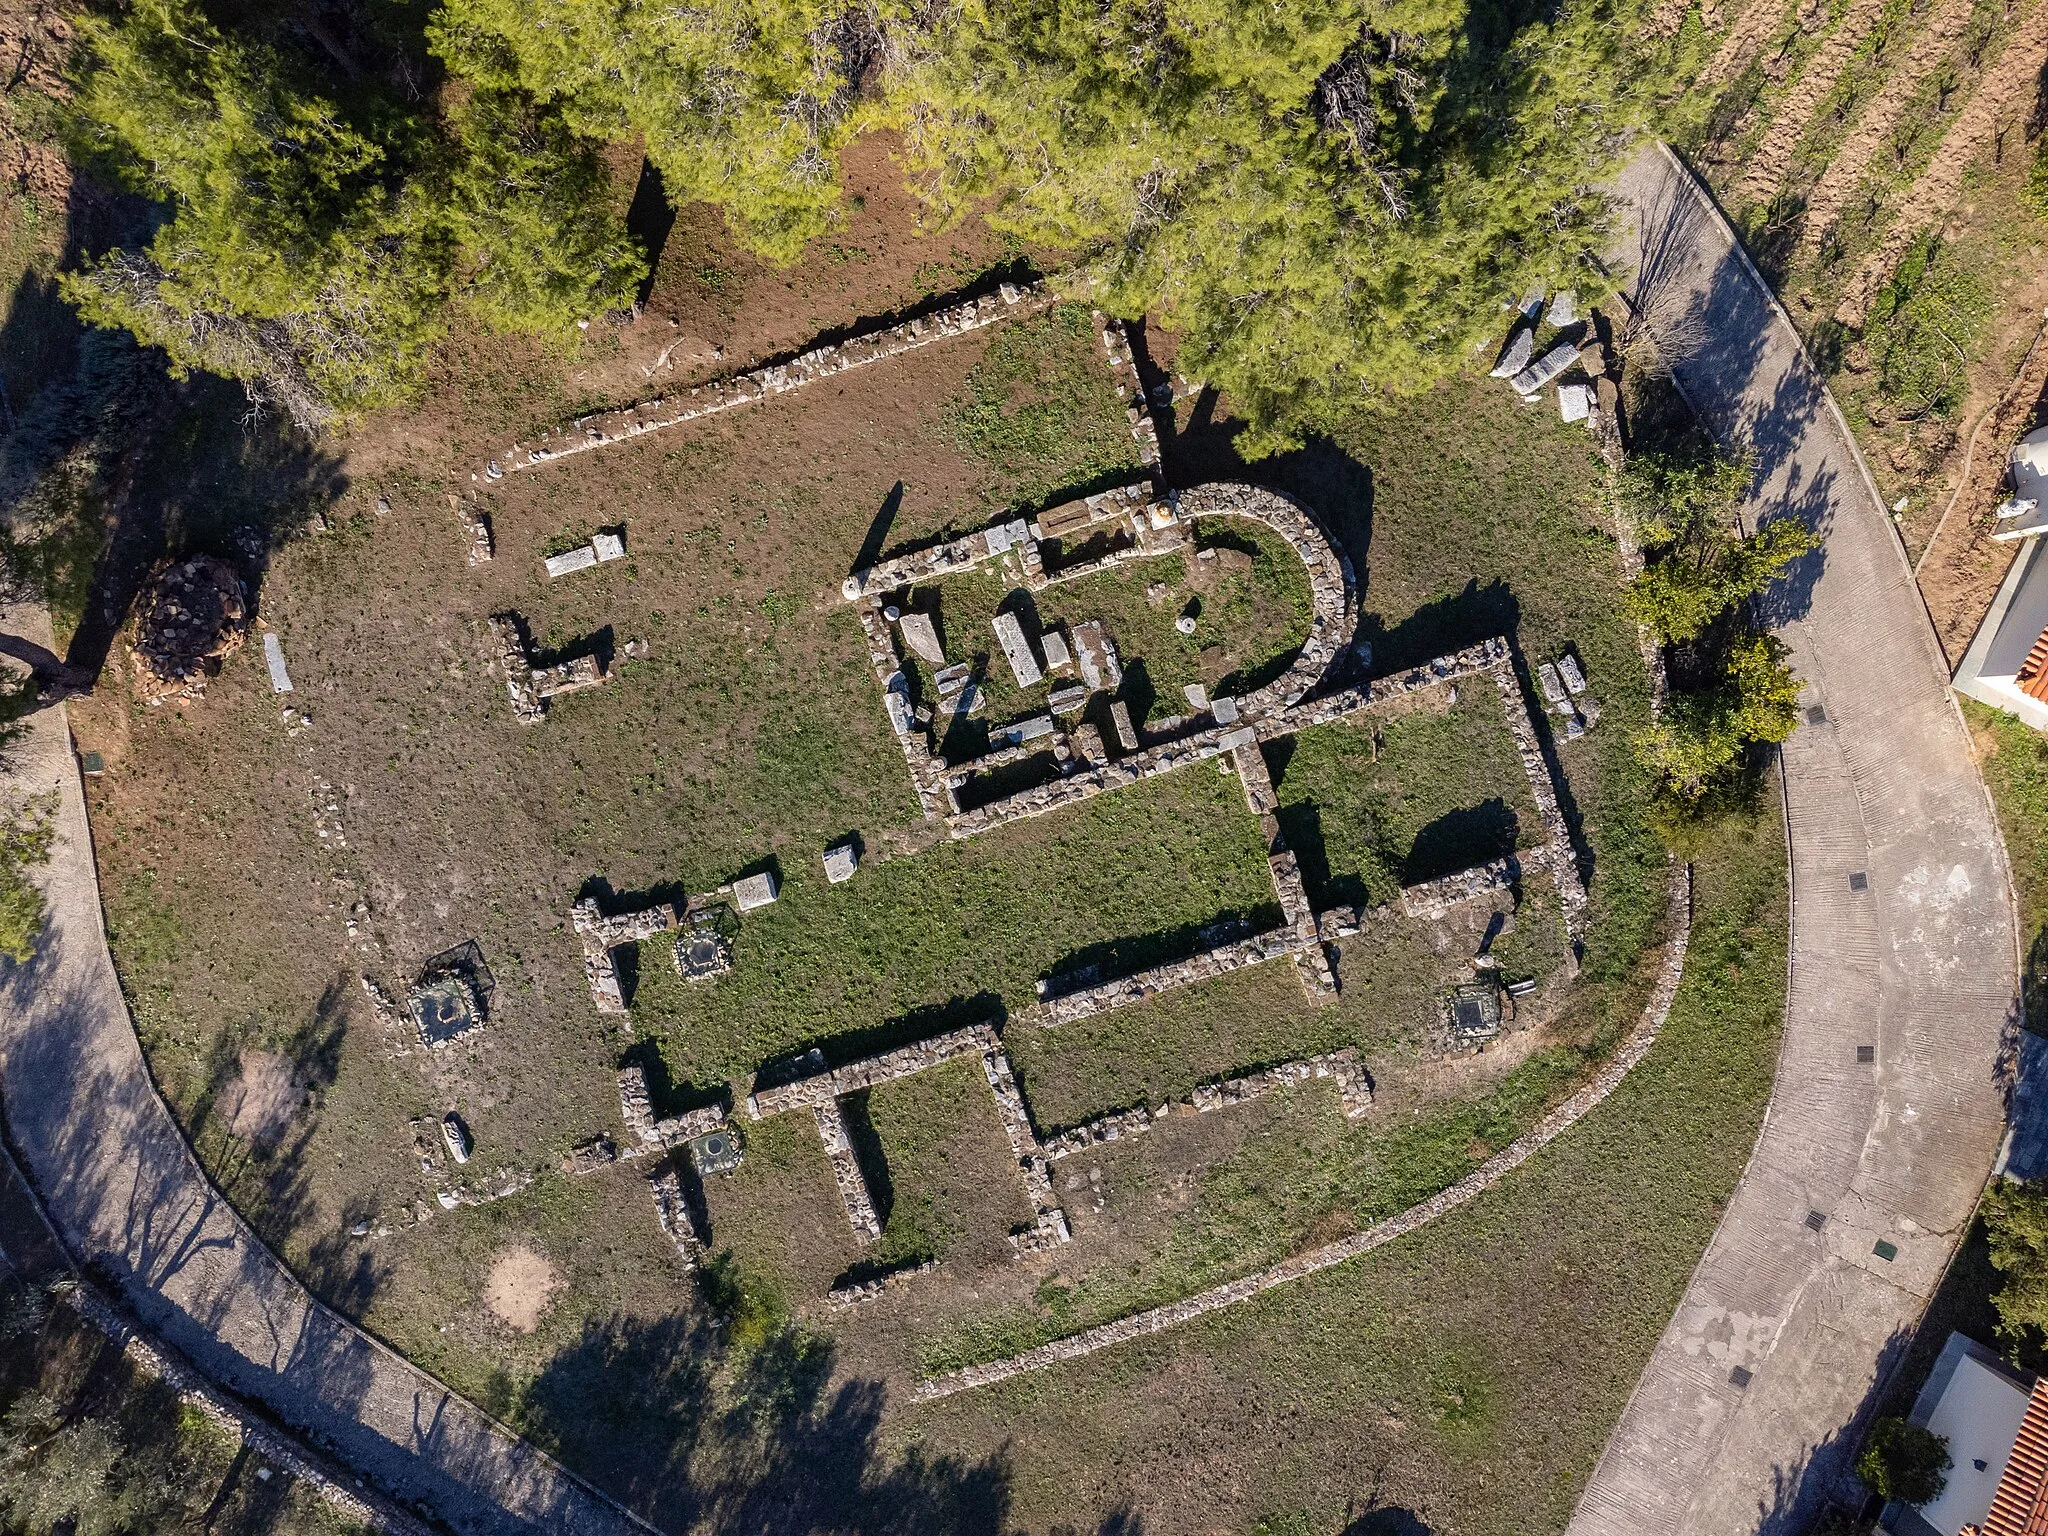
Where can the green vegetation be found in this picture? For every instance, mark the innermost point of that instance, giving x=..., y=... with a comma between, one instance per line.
x=963, y=927
x=1505, y=1334
x=1327, y=208
x=2014, y=760
x=1039, y=411
x=1300, y=1175
x=2016, y=1223
x=89, y=1447
x=316, y=237
x=1923, y=329
x=25, y=835
x=1732, y=687
x=1904, y=1461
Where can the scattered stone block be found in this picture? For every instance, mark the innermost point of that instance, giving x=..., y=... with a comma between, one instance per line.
x=1552, y=687
x=922, y=637
x=1069, y=700
x=589, y=1156
x=457, y=1137
x=1055, y=649
x=1516, y=357
x=1120, y=717
x=754, y=891
x=1224, y=709
x=273, y=658
x=1544, y=369
x=1031, y=730
x=581, y=558
x=1095, y=654
x=1568, y=670
x=950, y=680
x=1575, y=402
x=1564, y=309
x=1197, y=696
x=840, y=863
x=1532, y=303
x=608, y=546
x=1017, y=650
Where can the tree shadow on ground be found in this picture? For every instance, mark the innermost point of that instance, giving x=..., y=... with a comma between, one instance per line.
x=166, y=467
x=633, y=1406
x=1461, y=839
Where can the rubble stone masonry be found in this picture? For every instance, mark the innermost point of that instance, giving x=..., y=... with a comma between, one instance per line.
x=596, y=431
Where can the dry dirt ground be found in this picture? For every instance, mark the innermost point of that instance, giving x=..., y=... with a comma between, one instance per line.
x=520, y=1286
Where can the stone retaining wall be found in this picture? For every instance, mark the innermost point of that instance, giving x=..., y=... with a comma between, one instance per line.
x=1354, y=1088
x=1556, y=854
x=596, y=431
x=853, y=1185
x=236, y=1422
x=1434, y=899
x=1553, y=1125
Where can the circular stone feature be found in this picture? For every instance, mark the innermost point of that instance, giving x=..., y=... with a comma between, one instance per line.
x=193, y=614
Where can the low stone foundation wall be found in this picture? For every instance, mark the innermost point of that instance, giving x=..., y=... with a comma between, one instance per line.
x=1434, y=899
x=1354, y=1087
x=596, y=431
x=601, y=935
x=853, y=1186
x=1497, y=1167
x=1556, y=853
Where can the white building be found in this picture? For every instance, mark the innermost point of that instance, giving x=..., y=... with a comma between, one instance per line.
x=2007, y=663
x=1978, y=1404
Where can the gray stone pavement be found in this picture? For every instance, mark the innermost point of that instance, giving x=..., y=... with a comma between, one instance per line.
x=1902, y=940
x=133, y=1204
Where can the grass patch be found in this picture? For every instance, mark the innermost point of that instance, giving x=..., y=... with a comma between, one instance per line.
x=961, y=932
x=1039, y=412
x=2014, y=761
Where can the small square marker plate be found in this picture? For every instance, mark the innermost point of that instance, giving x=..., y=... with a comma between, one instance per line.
x=1886, y=1251
x=1816, y=1220
x=1865, y=1055
x=1859, y=881
x=1740, y=1376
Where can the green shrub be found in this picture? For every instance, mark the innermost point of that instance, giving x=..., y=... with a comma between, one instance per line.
x=1904, y=1461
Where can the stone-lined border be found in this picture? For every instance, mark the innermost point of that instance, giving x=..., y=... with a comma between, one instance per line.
x=1553, y=1125
x=734, y=390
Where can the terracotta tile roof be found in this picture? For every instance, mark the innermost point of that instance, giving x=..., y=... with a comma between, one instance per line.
x=2020, y=1507
x=2033, y=673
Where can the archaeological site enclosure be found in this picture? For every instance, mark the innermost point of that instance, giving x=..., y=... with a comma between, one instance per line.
x=904, y=868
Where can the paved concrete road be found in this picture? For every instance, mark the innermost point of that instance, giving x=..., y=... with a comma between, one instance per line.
x=1902, y=940
x=133, y=1203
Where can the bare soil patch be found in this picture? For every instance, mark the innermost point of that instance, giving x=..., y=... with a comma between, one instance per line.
x=265, y=1097
x=521, y=1285
x=2008, y=96
x=1846, y=170
x=1772, y=159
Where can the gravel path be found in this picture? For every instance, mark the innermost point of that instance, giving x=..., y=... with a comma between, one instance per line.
x=132, y=1202
x=1902, y=941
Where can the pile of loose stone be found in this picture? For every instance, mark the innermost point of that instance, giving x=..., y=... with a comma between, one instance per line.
x=1577, y=346
x=194, y=614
